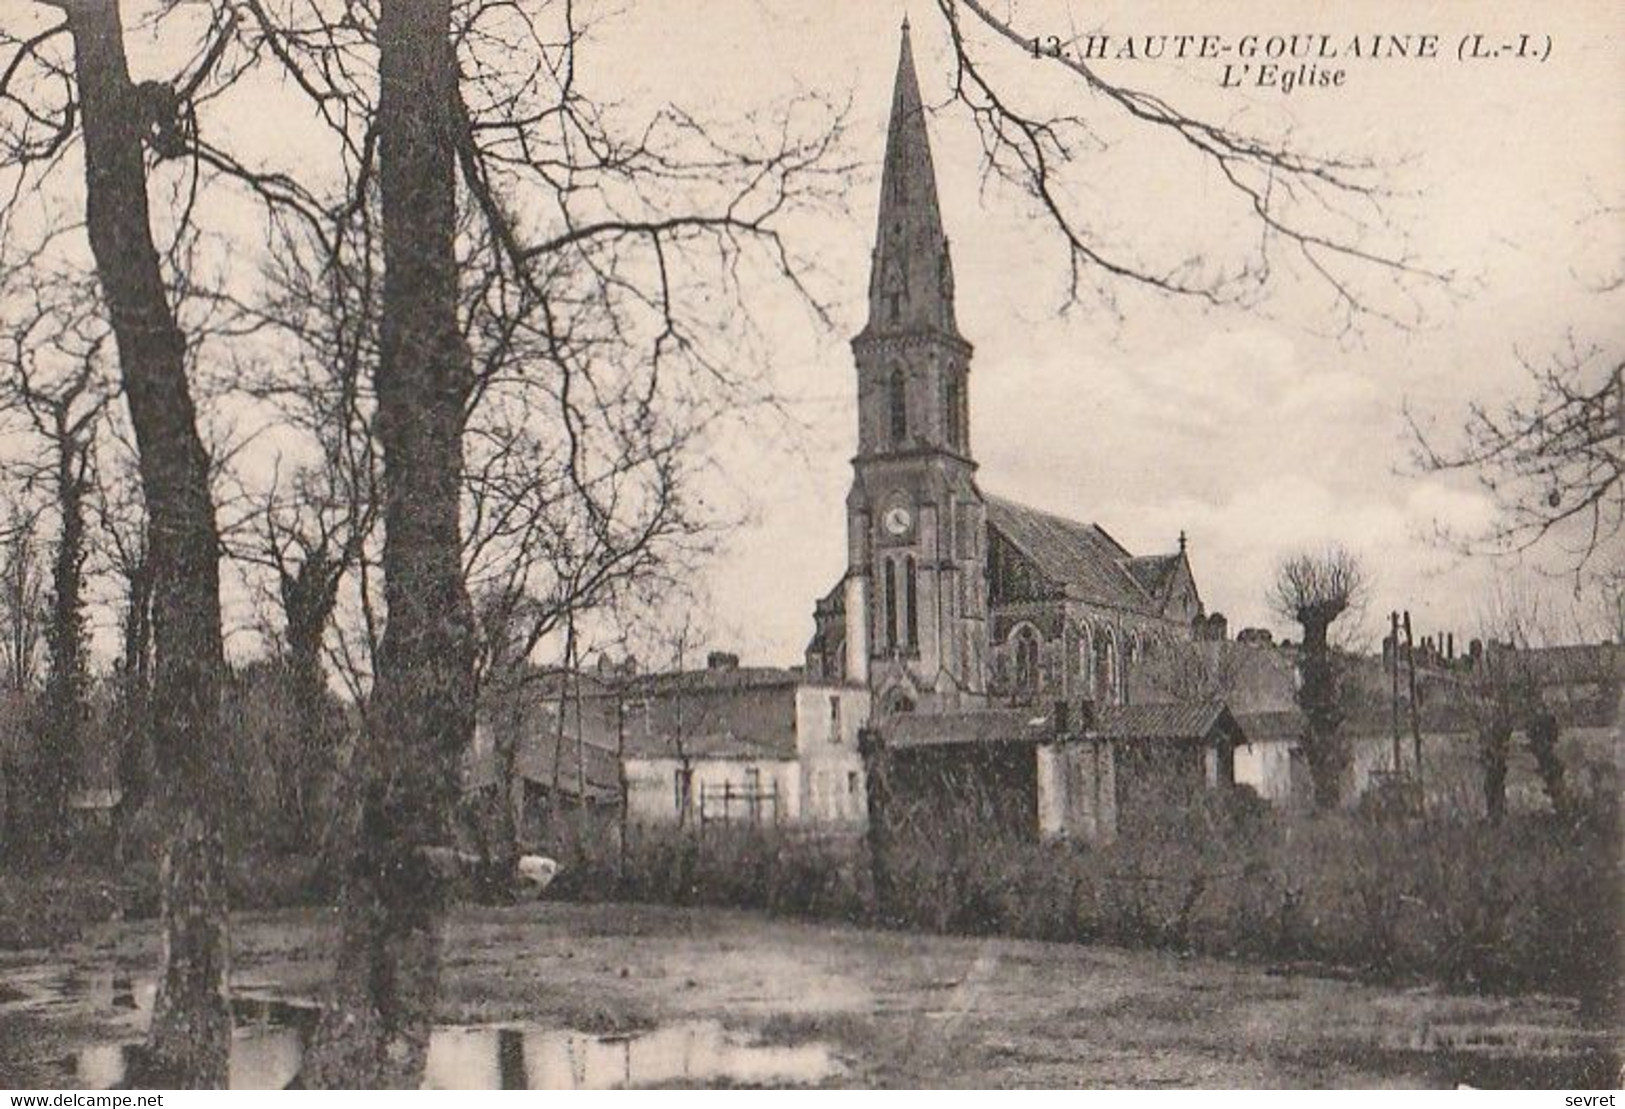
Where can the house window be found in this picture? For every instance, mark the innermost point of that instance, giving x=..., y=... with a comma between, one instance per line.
x=1027, y=678
x=897, y=399
x=834, y=718
x=910, y=597
x=852, y=786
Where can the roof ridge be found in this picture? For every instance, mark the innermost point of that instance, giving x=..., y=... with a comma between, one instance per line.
x=1108, y=551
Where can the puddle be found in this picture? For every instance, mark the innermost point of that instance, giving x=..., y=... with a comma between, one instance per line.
x=269, y=1036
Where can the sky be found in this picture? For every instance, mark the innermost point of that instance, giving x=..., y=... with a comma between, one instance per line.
x=1257, y=431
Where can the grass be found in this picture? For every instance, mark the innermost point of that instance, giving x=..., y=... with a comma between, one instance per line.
x=1528, y=905
x=1531, y=904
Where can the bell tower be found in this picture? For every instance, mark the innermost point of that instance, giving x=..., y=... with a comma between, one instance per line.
x=916, y=591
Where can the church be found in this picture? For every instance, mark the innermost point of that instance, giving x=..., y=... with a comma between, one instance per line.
x=999, y=644
x=955, y=598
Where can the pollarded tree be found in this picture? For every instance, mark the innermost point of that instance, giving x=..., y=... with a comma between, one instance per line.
x=1314, y=590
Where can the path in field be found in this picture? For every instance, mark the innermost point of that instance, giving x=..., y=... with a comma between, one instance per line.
x=584, y=989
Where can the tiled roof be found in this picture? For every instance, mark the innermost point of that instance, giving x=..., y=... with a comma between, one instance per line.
x=931, y=729
x=1086, y=562
x=1264, y=727
x=535, y=762
x=713, y=678
x=1186, y=720
x=1126, y=723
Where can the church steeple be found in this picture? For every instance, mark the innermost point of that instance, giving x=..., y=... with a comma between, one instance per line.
x=915, y=599
x=911, y=279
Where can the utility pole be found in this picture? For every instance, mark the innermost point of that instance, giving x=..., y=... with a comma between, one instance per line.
x=1416, y=717
x=620, y=773
x=1393, y=700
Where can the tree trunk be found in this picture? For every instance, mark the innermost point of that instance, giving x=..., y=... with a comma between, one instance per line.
x=504, y=861
x=65, y=642
x=308, y=597
x=134, y=699
x=191, y=1022
x=1324, y=747
x=375, y=1032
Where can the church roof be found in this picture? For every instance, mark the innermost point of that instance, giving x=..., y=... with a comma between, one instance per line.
x=1154, y=572
x=1082, y=559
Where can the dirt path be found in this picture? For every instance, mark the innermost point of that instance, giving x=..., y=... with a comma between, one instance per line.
x=890, y=1009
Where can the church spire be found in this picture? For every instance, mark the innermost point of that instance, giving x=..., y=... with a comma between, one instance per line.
x=911, y=283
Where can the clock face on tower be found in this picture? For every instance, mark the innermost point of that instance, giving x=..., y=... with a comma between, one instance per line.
x=897, y=520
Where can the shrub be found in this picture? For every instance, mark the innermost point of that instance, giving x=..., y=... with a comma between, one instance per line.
x=1531, y=903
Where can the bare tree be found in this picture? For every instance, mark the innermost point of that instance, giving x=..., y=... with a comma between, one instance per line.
x=308, y=539
x=620, y=246
x=123, y=526
x=1314, y=590
x=1194, y=670
x=22, y=600
x=50, y=99
x=1312, y=217
x=1505, y=695
x=22, y=635
x=52, y=381
x=1550, y=459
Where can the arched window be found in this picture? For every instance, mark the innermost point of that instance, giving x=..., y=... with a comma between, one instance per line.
x=1086, y=661
x=1105, y=669
x=911, y=616
x=891, y=604
x=951, y=414
x=1027, y=678
x=897, y=396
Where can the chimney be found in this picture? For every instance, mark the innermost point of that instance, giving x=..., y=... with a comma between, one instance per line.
x=722, y=660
